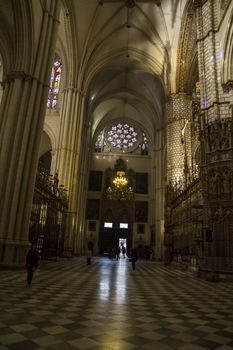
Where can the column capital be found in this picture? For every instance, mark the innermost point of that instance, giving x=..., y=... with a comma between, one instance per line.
x=20, y=75
x=179, y=95
x=74, y=89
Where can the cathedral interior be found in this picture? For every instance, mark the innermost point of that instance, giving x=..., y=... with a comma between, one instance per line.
x=116, y=130
x=117, y=126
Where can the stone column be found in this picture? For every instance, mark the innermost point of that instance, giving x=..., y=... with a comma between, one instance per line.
x=21, y=123
x=65, y=151
x=159, y=176
x=179, y=112
x=216, y=142
x=83, y=186
x=69, y=160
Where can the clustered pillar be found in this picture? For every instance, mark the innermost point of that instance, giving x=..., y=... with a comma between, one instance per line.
x=21, y=124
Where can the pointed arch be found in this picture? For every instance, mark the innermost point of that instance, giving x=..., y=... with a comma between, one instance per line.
x=227, y=62
x=187, y=50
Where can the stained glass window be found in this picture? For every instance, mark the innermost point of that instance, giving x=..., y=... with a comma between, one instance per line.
x=99, y=142
x=55, y=80
x=144, y=145
x=122, y=136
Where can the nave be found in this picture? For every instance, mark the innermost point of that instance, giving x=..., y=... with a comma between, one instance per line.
x=107, y=306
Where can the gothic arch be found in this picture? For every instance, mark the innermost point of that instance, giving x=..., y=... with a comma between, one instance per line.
x=49, y=131
x=150, y=64
x=187, y=49
x=23, y=37
x=71, y=59
x=227, y=63
x=6, y=46
x=45, y=156
x=105, y=122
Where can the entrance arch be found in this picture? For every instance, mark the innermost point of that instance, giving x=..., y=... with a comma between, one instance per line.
x=116, y=226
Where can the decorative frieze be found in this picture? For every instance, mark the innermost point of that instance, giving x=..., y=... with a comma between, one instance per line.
x=220, y=183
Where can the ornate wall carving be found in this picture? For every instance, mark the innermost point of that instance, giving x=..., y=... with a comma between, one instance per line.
x=187, y=53
x=219, y=135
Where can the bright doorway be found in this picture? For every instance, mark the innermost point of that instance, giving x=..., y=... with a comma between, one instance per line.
x=123, y=247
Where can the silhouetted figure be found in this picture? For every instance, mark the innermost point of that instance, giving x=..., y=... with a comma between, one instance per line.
x=89, y=254
x=123, y=251
x=32, y=259
x=134, y=257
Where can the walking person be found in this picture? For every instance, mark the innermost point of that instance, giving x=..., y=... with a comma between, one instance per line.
x=123, y=251
x=134, y=257
x=89, y=255
x=32, y=259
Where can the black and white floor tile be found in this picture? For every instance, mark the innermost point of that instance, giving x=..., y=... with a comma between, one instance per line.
x=107, y=306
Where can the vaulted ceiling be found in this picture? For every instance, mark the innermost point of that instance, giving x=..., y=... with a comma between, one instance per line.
x=126, y=57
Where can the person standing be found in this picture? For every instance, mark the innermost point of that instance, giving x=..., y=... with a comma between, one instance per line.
x=32, y=259
x=134, y=257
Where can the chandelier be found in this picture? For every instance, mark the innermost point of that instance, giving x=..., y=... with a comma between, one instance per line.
x=120, y=190
x=120, y=180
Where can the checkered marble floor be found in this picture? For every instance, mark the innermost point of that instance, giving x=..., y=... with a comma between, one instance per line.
x=107, y=306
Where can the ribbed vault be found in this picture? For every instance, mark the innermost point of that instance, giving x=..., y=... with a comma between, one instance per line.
x=126, y=57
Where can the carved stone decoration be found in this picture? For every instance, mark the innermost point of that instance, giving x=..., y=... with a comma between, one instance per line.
x=220, y=183
x=218, y=135
x=195, y=109
x=187, y=48
x=226, y=183
x=214, y=184
x=227, y=86
x=222, y=219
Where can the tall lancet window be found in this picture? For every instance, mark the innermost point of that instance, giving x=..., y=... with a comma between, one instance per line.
x=55, y=82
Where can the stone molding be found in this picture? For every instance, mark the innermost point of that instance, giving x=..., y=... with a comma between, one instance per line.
x=21, y=75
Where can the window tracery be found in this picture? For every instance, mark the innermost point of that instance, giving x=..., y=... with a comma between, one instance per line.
x=144, y=146
x=122, y=137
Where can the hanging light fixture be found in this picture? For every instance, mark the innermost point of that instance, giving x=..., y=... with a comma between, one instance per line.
x=120, y=180
x=120, y=190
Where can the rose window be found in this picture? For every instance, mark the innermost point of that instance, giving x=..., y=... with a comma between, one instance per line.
x=122, y=136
